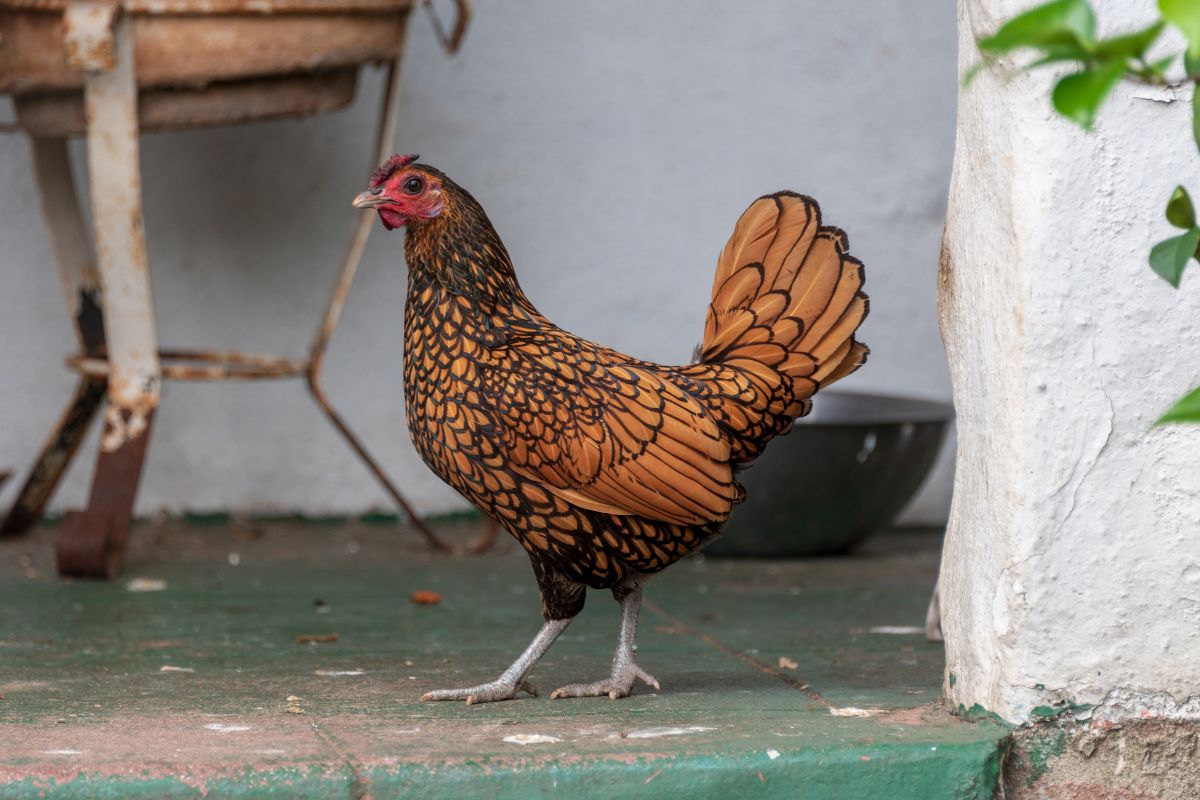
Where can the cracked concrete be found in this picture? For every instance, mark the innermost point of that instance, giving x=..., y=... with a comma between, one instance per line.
x=1154, y=759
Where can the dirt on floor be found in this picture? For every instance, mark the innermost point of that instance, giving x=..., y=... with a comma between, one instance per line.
x=1138, y=760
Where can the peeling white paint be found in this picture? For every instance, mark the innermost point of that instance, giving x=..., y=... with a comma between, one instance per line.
x=172, y=668
x=1122, y=705
x=221, y=727
x=898, y=630
x=772, y=754
x=338, y=673
x=1159, y=94
x=531, y=738
x=654, y=733
x=145, y=585
x=851, y=711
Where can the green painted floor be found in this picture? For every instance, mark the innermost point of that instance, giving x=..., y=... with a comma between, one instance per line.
x=776, y=681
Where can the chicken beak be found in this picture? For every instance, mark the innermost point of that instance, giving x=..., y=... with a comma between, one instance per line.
x=370, y=199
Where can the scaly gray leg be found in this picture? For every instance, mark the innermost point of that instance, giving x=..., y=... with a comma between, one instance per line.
x=624, y=669
x=513, y=680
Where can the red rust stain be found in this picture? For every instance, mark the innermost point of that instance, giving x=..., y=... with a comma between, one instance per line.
x=425, y=597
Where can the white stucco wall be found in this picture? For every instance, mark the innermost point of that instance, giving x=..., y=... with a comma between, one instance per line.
x=1072, y=563
x=614, y=145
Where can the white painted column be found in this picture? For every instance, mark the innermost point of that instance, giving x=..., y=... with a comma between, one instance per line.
x=1072, y=564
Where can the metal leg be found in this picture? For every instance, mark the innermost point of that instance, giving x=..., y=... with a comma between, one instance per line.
x=110, y=299
x=92, y=542
x=54, y=458
x=333, y=312
x=81, y=287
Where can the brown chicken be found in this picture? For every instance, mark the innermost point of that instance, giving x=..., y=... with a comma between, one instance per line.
x=606, y=469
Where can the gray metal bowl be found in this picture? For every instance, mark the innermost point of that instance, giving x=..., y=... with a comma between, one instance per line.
x=843, y=473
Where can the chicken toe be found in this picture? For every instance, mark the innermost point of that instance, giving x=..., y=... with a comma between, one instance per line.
x=492, y=692
x=619, y=684
x=512, y=681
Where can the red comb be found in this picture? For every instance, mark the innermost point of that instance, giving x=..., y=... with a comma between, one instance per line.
x=391, y=165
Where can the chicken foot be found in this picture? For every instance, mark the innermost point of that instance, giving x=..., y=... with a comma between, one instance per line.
x=512, y=680
x=625, y=671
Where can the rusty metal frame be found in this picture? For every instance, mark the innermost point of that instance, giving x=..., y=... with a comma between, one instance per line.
x=115, y=184
x=81, y=287
x=109, y=297
x=98, y=39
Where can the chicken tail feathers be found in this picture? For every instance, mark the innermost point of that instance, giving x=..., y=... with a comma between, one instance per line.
x=787, y=301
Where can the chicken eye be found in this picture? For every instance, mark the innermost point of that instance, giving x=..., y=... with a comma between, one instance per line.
x=413, y=186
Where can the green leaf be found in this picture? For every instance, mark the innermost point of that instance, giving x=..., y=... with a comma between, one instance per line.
x=1060, y=23
x=1196, y=114
x=1191, y=65
x=1131, y=45
x=1169, y=257
x=1180, y=212
x=1065, y=51
x=1161, y=66
x=1079, y=96
x=971, y=73
x=1185, y=15
x=1186, y=410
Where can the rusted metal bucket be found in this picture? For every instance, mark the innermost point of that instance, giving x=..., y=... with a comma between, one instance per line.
x=198, y=62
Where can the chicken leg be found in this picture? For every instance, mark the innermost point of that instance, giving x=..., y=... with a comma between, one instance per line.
x=625, y=670
x=512, y=680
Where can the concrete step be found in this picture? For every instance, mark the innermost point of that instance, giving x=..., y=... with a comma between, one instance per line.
x=779, y=679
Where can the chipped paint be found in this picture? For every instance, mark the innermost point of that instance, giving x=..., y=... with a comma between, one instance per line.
x=531, y=738
x=1125, y=704
x=134, y=381
x=145, y=585
x=851, y=711
x=655, y=732
x=87, y=34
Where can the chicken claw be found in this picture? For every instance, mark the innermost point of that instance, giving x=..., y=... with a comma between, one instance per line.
x=484, y=693
x=512, y=680
x=620, y=684
x=625, y=670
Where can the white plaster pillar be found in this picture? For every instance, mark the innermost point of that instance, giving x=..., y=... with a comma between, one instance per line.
x=1072, y=564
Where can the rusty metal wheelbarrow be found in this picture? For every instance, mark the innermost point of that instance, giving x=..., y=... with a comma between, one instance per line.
x=107, y=70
